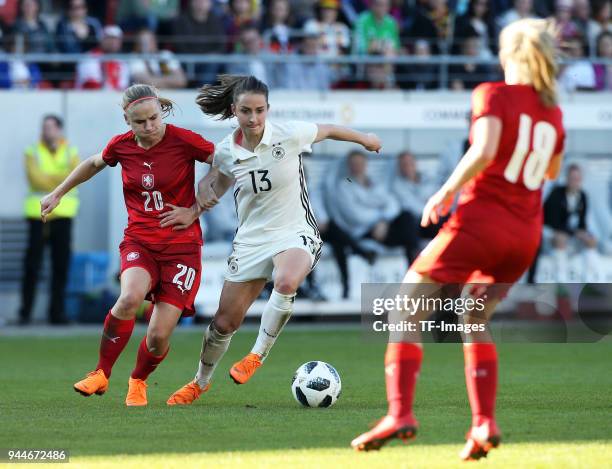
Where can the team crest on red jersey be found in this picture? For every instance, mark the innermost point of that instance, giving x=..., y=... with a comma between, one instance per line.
x=132, y=256
x=148, y=181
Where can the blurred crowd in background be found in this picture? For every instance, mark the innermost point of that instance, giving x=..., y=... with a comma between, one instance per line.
x=320, y=31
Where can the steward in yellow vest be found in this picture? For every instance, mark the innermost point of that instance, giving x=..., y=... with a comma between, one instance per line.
x=47, y=163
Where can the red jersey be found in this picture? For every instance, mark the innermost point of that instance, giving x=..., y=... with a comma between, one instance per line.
x=155, y=177
x=532, y=135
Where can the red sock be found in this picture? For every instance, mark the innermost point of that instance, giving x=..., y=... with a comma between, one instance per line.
x=116, y=334
x=402, y=365
x=481, y=380
x=146, y=362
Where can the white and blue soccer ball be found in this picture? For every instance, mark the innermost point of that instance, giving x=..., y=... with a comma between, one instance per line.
x=316, y=384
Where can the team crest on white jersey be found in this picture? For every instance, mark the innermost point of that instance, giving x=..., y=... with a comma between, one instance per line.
x=278, y=152
x=148, y=181
x=132, y=256
x=232, y=265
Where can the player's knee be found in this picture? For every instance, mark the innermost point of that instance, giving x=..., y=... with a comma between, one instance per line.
x=225, y=324
x=286, y=284
x=128, y=303
x=157, y=341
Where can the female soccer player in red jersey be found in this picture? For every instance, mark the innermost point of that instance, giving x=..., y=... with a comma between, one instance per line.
x=517, y=141
x=277, y=230
x=158, y=163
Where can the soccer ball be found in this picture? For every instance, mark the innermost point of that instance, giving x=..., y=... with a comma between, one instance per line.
x=316, y=384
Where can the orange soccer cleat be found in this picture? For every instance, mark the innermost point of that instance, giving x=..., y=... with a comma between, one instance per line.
x=480, y=440
x=187, y=394
x=137, y=393
x=243, y=370
x=386, y=429
x=95, y=382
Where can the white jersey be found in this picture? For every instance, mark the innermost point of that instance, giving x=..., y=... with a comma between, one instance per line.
x=269, y=189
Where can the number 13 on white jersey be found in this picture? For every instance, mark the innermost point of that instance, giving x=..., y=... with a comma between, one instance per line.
x=544, y=142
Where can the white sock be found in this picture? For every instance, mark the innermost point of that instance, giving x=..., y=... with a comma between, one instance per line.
x=275, y=315
x=561, y=265
x=214, y=346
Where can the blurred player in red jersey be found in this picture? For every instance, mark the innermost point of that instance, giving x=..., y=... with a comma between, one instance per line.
x=516, y=141
x=160, y=256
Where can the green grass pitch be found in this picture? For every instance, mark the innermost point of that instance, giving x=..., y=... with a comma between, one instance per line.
x=554, y=405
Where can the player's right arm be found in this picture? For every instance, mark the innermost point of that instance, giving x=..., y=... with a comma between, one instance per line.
x=212, y=187
x=83, y=172
x=487, y=132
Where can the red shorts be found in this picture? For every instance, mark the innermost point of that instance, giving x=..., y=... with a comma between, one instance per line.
x=472, y=248
x=175, y=271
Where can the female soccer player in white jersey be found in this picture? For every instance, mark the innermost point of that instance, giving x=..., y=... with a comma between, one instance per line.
x=277, y=229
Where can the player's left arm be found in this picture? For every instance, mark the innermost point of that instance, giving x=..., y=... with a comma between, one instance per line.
x=486, y=135
x=369, y=141
x=180, y=218
x=210, y=189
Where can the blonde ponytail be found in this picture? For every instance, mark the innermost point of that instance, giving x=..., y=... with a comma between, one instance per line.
x=530, y=45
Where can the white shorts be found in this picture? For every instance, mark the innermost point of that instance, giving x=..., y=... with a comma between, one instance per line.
x=254, y=262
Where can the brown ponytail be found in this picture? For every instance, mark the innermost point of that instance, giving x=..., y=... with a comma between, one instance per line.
x=217, y=100
x=140, y=92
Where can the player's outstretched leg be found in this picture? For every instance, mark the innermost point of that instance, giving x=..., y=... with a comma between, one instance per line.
x=118, y=327
x=292, y=266
x=481, y=381
x=275, y=315
x=236, y=298
x=116, y=335
x=157, y=339
x=402, y=365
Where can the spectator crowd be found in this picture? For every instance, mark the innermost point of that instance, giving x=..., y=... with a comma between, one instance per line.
x=318, y=30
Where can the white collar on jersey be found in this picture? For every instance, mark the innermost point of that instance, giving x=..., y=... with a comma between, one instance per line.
x=240, y=153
